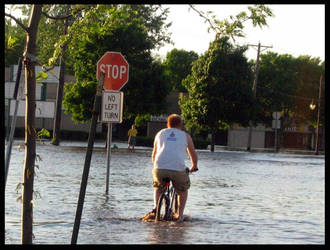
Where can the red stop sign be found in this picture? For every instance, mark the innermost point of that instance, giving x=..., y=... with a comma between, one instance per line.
x=115, y=69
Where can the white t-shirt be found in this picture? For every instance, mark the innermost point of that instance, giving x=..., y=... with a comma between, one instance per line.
x=171, y=149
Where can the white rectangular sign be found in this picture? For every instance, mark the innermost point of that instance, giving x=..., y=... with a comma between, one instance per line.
x=43, y=109
x=276, y=124
x=112, y=106
x=277, y=115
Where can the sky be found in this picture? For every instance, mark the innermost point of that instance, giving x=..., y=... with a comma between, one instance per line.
x=296, y=29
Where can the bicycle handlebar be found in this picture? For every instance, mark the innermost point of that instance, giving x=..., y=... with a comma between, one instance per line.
x=188, y=170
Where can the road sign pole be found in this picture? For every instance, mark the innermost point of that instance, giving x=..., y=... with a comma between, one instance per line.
x=276, y=125
x=109, y=138
x=276, y=120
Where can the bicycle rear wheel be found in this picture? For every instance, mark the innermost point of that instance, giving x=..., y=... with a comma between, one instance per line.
x=162, y=208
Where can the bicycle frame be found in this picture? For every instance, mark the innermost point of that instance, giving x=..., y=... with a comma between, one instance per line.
x=170, y=197
x=171, y=201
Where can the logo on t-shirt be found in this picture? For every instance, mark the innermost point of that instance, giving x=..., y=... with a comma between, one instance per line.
x=172, y=137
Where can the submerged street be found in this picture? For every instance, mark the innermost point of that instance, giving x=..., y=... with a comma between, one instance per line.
x=235, y=198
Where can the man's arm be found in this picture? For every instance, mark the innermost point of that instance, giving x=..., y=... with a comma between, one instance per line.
x=192, y=153
x=154, y=151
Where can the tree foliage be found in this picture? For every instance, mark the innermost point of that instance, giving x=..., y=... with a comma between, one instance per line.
x=14, y=42
x=133, y=30
x=309, y=74
x=50, y=31
x=287, y=84
x=178, y=66
x=233, y=27
x=277, y=75
x=219, y=87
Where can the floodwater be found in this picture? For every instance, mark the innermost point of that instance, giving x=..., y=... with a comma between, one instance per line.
x=235, y=198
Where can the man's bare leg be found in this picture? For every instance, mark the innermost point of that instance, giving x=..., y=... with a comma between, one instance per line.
x=157, y=193
x=182, y=203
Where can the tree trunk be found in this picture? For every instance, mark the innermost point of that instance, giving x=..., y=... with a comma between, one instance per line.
x=30, y=107
x=59, y=98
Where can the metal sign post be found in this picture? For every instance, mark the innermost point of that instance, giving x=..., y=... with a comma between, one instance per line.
x=109, y=138
x=276, y=124
x=112, y=112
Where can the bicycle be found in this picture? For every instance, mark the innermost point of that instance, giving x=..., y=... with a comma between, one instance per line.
x=167, y=204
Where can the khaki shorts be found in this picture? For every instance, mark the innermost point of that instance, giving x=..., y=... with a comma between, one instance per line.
x=180, y=179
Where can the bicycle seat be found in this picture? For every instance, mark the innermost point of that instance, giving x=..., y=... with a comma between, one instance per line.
x=167, y=179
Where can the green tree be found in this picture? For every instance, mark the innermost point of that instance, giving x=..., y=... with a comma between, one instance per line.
x=133, y=30
x=277, y=83
x=232, y=27
x=219, y=87
x=178, y=66
x=287, y=84
x=31, y=31
x=309, y=72
x=57, y=21
x=53, y=23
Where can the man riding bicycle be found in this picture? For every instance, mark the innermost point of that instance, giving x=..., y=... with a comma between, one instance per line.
x=168, y=158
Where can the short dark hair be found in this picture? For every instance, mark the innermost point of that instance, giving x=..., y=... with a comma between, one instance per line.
x=174, y=121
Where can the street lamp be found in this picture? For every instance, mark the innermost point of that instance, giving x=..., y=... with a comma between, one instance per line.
x=312, y=105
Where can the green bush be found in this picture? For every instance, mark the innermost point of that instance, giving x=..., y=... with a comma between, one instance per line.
x=200, y=143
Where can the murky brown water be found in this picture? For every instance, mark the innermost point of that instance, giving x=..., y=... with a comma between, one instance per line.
x=235, y=198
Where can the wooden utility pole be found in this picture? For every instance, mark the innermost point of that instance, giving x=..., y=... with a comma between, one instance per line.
x=318, y=118
x=254, y=88
x=59, y=96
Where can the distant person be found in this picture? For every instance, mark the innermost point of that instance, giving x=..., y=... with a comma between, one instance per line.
x=168, y=157
x=132, y=137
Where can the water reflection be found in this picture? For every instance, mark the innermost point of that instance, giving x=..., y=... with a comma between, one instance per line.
x=167, y=233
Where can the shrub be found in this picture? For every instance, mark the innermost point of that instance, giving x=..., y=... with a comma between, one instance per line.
x=200, y=143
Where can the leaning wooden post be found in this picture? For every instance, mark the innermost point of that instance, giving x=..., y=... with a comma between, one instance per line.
x=13, y=122
x=91, y=137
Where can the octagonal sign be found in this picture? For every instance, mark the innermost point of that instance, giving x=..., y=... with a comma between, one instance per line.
x=115, y=69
